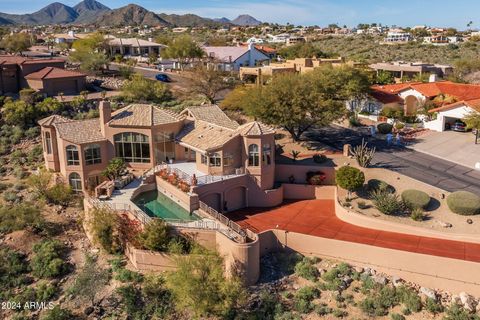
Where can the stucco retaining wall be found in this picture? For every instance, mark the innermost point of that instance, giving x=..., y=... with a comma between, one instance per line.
x=307, y=192
x=299, y=172
x=187, y=201
x=430, y=271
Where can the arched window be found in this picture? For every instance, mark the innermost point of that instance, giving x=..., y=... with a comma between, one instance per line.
x=215, y=160
x=48, y=142
x=92, y=154
x=253, y=156
x=73, y=158
x=132, y=147
x=267, y=154
x=75, y=181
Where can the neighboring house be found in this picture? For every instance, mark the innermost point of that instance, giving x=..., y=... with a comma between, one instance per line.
x=401, y=69
x=210, y=146
x=69, y=37
x=414, y=95
x=398, y=36
x=52, y=81
x=233, y=58
x=14, y=69
x=447, y=114
x=279, y=38
x=134, y=47
x=442, y=40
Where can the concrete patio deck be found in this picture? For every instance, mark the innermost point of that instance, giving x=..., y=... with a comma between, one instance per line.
x=317, y=218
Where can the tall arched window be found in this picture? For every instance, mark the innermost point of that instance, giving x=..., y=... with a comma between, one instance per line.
x=48, y=142
x=132, y=147
x=92, y=154
x=215, y=160
x=73, y=158
x=267, y=154
x=253, y=155
x=75, y=181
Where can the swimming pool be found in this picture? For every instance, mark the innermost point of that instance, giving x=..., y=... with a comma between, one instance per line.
x=156, y=204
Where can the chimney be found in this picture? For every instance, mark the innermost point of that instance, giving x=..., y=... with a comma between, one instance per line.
x=433, y=78
x=105, y=114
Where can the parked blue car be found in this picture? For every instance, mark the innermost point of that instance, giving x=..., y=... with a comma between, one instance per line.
x=163, y=77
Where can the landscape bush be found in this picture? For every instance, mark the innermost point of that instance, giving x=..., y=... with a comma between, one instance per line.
x=386, y=202
x=306, y=269
x=58, y=313
x=410, y=299
x=13, y=269
x=59, y=194
x=155, y=236
x=19, y=217
x=105, y=227
x=464, y=203
x=417, y=214
x=319, y=158
x=397, y=316
x=384, y=128
x=349, y=178
x=415, y=199
x=48, y=260
x=433, y=306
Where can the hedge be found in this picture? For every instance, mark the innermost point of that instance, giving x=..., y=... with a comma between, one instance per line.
x=415, y=199
x=384, y=128
x=464, y=203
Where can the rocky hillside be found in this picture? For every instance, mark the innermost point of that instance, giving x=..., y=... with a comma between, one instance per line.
x=189, y=20
x=55, y=13
x=89, y=11
x=246, y=20
x=130, y=15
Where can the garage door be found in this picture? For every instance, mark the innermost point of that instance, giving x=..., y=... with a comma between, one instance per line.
x=235, y=199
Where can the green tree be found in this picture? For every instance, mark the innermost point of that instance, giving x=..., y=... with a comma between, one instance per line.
x=90, y=52
x=20, y=216
x=183, y=48
x=155, y=236
x=199, y=285
x=16, y=43
x=18, y=112
x=40, y=181
x=298, y=102
x=208, y=82
x=234, y=100
x=302, y=50
x=114, y=168
x=472, y=121
x=350, y=179
x=105, y=227
x=90, y=280
x=384, y=77
x=139, y=88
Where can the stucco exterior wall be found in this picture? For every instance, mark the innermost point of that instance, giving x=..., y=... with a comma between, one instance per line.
x=299, y=172
x=187, y=201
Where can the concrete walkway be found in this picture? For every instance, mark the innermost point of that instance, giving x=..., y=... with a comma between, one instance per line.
x=318, y=218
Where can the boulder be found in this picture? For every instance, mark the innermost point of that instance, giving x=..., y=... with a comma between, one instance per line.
x=397, y=281
x=358, y=269
x=444, y=224
x=379, y=279
x=467, y=301
x=429, y=293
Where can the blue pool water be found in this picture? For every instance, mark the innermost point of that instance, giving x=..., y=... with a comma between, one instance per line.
x=156, y=204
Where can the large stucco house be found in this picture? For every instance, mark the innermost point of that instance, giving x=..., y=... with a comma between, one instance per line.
x=229, y=166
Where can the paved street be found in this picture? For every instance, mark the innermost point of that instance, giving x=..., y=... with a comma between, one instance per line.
x=426, y=168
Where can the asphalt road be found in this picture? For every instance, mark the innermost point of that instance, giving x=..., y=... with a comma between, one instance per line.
x=434, y=171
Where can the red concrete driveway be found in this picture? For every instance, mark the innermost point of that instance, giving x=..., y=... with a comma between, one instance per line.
x=317, y=218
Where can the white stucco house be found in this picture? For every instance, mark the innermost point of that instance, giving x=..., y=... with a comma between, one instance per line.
x=233, y=58
x=449, y=113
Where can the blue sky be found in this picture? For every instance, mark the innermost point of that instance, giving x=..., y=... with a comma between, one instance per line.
x=307, y=12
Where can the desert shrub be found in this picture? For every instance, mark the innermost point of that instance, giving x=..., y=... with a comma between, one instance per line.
x=414, y=199
x=397, y=316
x=13, y=269
x=433, y=306
x=323, y=310
x=386, y=202
x=375, y=184
x=4, y=186
x=410, y=299
x=384, y=128
x=48, y=260
x=125, y=275
x=306, y=269
x=399, y=126
x=378, y=302
x=456, y=312
x=59, y=194
x=19, y=173
x=417, y=214
x=155, y=236
x=179, y=245
x=11, y=196
x=58, y=313
x=362, y=205
x=45, y=291
x=333, y=277
x=349, y=178
x=19, y=217
x=464, y=203
x=338, y=313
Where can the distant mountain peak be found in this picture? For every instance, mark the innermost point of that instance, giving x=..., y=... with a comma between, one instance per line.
x=246, y=20
x=131, y=14
x=90, y=5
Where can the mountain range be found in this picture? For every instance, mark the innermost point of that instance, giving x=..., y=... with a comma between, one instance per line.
x=93, y=12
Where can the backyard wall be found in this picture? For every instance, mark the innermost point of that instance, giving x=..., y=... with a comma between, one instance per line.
x=307, y=192
x=186, y=201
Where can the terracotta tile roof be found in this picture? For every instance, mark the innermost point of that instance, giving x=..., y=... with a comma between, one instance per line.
x=211, y=114
x=205, y=137
x=265, y=49
x=81, y=131
x=143, y=115
x=54, y=73
x=255, y=128
x=474, y=104
x=384, y=96
x=34, y=61
x=51, y=120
